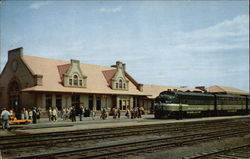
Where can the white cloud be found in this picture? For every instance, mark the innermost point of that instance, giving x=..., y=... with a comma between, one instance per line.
x=111, y=10
x=227, y=35
x=38, y=4
x=211, y=55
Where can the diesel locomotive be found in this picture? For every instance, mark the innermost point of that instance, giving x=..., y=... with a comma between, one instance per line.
x=175, y=104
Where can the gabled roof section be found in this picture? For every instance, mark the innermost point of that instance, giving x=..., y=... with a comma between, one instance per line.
x=132, y=80
x=62, y=69
x=226, y=90
x=97, y=80
x=109, y=74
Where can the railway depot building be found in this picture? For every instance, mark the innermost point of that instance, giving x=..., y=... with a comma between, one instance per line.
x=28, y=81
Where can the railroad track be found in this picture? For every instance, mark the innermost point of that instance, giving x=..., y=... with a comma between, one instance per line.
x=90, y=135
x=136, y=147
x=239, y=152
x=24, y=144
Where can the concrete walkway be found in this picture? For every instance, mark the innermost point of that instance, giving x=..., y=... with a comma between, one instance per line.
x=44, y=125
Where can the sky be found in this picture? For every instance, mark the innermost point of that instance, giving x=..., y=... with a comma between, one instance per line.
x=171, y=43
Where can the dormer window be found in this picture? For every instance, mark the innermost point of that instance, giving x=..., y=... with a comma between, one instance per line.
x=119, y=79
x=75, y=80
x=120, y=83
x=72, y=75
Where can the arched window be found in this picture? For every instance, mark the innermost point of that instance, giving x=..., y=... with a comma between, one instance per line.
x=120, y=83
x=75, y=80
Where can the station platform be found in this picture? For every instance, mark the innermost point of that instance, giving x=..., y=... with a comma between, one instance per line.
x=44, y=125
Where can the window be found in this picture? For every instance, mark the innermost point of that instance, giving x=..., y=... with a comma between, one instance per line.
x=120, y=104
x=124, y=86
x=120, y=83
x=75, y=101
x=80, y=82
x=48, y=101
x=59, y=102
x=70, y=82
x=98, y=103
x=116, y=85
x=75, y=80
x=91, y=102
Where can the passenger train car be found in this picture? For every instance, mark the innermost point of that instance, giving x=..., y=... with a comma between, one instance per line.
x=174, y=104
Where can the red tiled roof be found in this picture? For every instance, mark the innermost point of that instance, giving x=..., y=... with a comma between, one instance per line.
x=62, y=69
x=109, y=74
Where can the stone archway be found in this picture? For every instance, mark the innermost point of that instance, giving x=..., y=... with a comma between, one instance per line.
x=14, y=96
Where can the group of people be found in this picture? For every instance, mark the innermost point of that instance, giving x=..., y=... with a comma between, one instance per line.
x=70, y=113
x=31, y=114
x=82, y=112
x=25, y=114
x=135, y=112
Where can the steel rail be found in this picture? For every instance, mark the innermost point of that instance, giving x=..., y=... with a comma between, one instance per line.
x=143, y=145
x=215, y=152
x=151, y=130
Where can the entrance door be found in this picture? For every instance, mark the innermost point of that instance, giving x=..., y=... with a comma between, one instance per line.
x=75, y=99
x=14, y=97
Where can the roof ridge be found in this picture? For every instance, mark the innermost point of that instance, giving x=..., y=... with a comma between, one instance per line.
x=59, y=60
x=220, y=87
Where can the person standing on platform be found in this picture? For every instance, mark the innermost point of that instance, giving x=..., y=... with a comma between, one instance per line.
x=5, y=116
x=22, y=114
x=26, y=114
x=34, y=115
x=103, y=114
x=139, y=112
x=50, y=114
x=118, y=113
x=38, y=113
x=63, y=113
x=68, y=110
x=73, y=114
x=81, y=113
x=30, y=114
x=114, y=113
x=54, y=114
x=128, y=114
x=92, y=114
